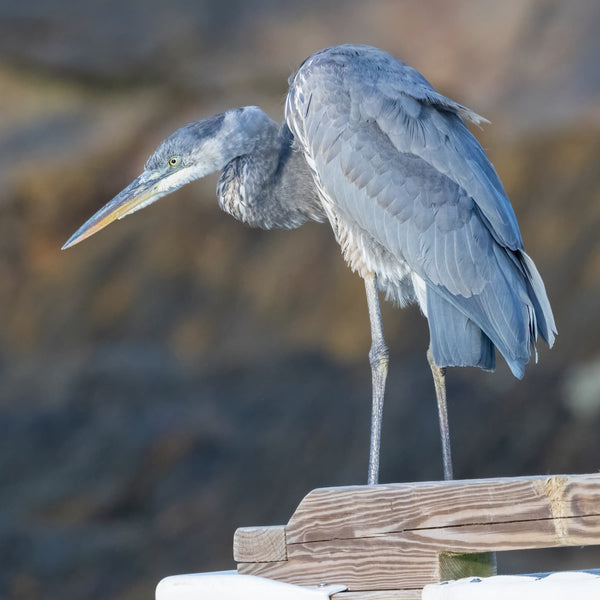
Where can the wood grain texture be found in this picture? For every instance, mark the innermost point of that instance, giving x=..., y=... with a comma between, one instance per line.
x=404, y=536
x=412, y=559
x=362, y=511
x=259, y=544
x=361, y=564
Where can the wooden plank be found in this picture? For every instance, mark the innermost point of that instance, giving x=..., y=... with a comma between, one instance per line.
x=368, y=564
x=412, y=559
x=259, y=544
x=517, y=535
x=363, y=511
x=403, y=536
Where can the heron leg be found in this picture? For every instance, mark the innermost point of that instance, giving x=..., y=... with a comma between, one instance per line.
x=439, y=381
x=378, y=357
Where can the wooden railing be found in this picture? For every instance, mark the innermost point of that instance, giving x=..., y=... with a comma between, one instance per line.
x=388, y=541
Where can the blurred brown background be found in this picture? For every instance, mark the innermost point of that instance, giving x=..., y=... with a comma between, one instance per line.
x=179, y=375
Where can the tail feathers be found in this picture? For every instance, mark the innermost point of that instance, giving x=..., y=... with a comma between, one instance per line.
x=508, y=314
x=541, y=305
x=456, y=341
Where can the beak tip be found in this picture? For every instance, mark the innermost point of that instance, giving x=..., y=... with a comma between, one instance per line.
x=70, y=242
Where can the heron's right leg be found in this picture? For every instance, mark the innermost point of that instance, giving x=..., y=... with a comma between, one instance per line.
x=378, y=357
x=439, y=381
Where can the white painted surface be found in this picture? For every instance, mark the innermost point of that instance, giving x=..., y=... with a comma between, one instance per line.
x=229, y=585
x=555, y=586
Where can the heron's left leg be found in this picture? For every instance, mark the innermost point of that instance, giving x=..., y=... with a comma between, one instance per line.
x=378, y=357
x=439, y=381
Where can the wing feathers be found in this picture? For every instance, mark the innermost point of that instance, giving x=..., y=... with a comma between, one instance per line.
x=456, y=341
x=396, y=160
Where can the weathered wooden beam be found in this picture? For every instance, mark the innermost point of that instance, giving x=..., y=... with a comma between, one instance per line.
x=259, y=544
x=363, y=511
x=403, y=536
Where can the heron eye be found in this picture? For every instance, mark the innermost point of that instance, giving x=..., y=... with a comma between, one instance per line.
x=173, y=161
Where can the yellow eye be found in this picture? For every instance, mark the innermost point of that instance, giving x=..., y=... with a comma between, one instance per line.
x=173, y=161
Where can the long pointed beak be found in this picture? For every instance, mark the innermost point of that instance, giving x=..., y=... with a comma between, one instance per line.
x=139, y=193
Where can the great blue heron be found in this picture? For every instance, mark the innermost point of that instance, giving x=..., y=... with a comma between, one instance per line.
x=413, y=201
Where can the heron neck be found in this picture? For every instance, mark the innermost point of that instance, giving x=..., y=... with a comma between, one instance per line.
x=270, y=186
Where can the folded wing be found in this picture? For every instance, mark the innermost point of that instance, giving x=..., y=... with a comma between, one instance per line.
x=401, y=165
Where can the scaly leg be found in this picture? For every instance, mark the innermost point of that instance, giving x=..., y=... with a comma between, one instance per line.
x=439, y=381
x=378, y=357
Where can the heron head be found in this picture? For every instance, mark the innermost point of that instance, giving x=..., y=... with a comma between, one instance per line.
x=188, y=154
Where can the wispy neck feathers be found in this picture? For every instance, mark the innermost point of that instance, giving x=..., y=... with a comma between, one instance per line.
x=265, y=182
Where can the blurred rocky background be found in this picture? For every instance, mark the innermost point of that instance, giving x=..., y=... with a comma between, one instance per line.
x=180, y=375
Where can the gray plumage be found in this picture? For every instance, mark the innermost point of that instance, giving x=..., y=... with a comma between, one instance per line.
x=417, y=208
x=398, y=169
